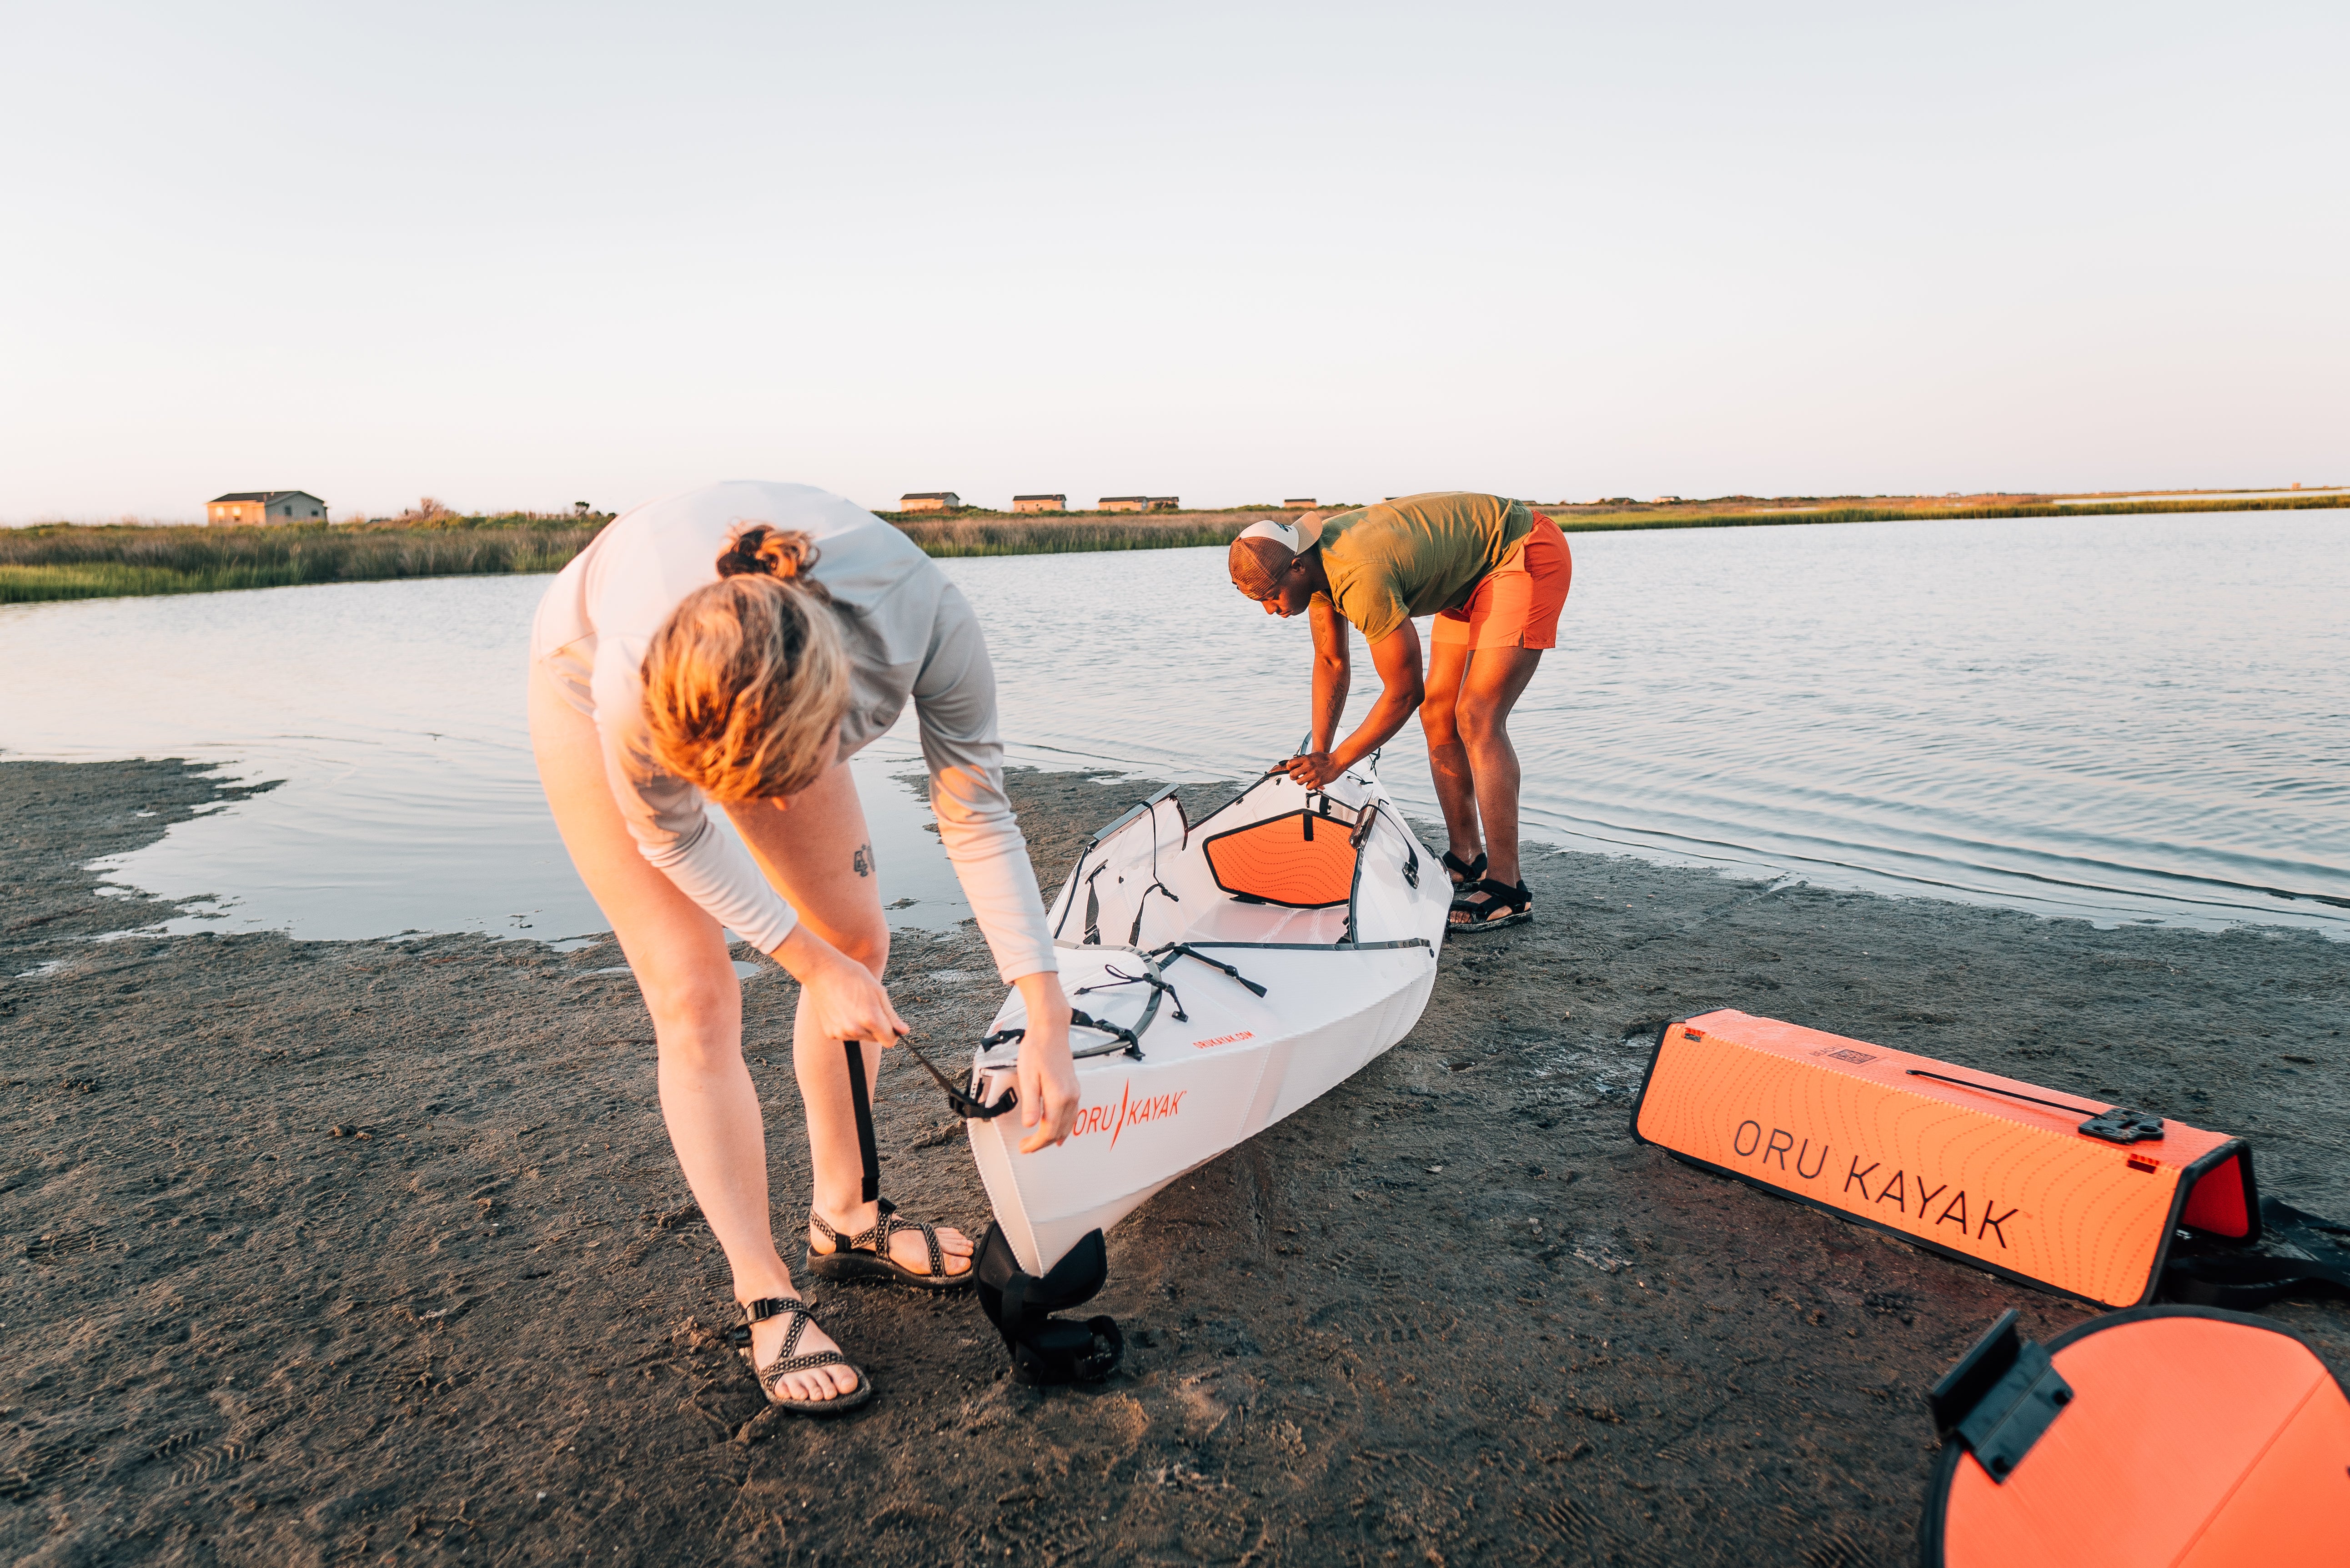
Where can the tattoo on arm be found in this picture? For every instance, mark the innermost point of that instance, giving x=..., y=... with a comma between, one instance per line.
x=862, y=861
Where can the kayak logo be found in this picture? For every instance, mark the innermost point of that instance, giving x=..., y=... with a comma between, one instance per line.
x=1898, y=1188
x=1116, y=1119
x=1223, y=1040
x=1847, y=1055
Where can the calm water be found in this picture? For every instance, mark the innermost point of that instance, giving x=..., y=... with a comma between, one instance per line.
x=2133, y=718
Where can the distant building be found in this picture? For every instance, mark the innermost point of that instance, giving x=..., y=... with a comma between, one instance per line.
x=1666, y=500
x=265, y=506
x=1298, y=504
x=1123, y=503
x=929, y=501
x=1040, y=504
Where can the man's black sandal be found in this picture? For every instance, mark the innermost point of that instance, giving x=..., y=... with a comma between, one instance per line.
x=1464, y=872
x=785, y=1363
x=1502, y=905
x=866, y=1255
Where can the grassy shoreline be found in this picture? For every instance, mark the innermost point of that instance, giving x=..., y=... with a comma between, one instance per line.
x=61, y=561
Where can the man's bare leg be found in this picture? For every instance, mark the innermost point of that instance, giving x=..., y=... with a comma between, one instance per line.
x=1496, y=678
x=1448, y=758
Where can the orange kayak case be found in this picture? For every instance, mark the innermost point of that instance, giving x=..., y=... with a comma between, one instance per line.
x=2035, y=1184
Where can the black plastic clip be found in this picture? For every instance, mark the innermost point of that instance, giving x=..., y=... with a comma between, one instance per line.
x=2123, y=1125
x=965, y=1106
x=2000, y=1397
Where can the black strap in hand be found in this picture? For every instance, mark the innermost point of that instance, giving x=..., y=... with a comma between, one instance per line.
x=861, y=1096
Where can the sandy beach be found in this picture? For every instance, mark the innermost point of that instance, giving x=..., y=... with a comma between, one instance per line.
x=333, y=1253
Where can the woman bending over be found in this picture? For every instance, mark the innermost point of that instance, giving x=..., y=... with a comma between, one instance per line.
x=738, y=643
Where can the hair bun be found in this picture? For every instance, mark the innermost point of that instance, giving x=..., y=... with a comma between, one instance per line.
x=759, y=550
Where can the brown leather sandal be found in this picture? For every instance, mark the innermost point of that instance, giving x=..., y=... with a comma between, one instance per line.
x=866, y=1255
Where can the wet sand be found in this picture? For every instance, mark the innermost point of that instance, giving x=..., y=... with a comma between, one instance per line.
x=331, y=1252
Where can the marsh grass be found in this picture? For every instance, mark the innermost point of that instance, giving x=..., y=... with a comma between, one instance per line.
x=61, y=561
x=66, y=562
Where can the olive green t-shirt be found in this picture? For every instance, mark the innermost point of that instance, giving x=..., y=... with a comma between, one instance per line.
x=1416, y=555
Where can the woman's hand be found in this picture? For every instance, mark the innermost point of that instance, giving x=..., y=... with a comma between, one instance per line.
x=1314, y=769
x=1047, y=1077
x=842, y=999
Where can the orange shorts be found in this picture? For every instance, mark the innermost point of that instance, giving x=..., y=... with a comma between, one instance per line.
x=1518, y=603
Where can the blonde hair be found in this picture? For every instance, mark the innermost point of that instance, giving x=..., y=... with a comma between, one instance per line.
x=747, y=678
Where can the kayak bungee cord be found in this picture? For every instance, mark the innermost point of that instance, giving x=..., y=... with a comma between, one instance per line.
x=2118, y=1125
x=1185, y=950
x=1150, y=978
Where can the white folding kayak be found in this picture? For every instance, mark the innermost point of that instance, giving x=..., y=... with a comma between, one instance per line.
x=1225, y=973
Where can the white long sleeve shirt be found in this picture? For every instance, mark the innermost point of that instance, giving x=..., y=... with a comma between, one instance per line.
x=910, y=633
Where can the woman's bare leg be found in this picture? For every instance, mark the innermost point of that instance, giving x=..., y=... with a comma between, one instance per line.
x=820, y=854
x=1497, y=677
x=678, y=954
x=1447, y=759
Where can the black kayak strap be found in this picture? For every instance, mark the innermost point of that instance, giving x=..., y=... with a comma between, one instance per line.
x=2241, y=1282
x=2244, y=1284
x=1174, y=950
x=861, y=1095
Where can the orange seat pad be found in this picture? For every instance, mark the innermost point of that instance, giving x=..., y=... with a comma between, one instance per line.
x=1299, y=859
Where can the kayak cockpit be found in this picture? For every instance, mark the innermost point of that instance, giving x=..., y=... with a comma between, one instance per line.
x=1278, y=863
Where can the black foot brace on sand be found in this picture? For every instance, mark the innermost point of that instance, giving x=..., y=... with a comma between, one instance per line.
x=1048, y=1350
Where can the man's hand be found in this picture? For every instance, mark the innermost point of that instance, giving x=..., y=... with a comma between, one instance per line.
x=1047, y=1078
x=1314, y=770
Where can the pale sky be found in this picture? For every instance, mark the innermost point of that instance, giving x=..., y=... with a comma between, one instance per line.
x=517, y=255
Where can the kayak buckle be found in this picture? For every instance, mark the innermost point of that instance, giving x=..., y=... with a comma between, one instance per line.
x=2121, y=1124
x=963, y=1102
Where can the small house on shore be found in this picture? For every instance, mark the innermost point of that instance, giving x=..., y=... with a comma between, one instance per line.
x=273, y=506
x=1666, y=500
x=929, y=501
x=1040, y=504
x=1124, y=504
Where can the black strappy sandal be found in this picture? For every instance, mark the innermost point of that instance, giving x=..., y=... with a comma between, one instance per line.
x=785, y=1361
x=1465, y=873
x=1502, y=905
x=866, y=1255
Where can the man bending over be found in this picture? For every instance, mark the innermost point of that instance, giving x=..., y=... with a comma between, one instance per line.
x=1493, y=574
